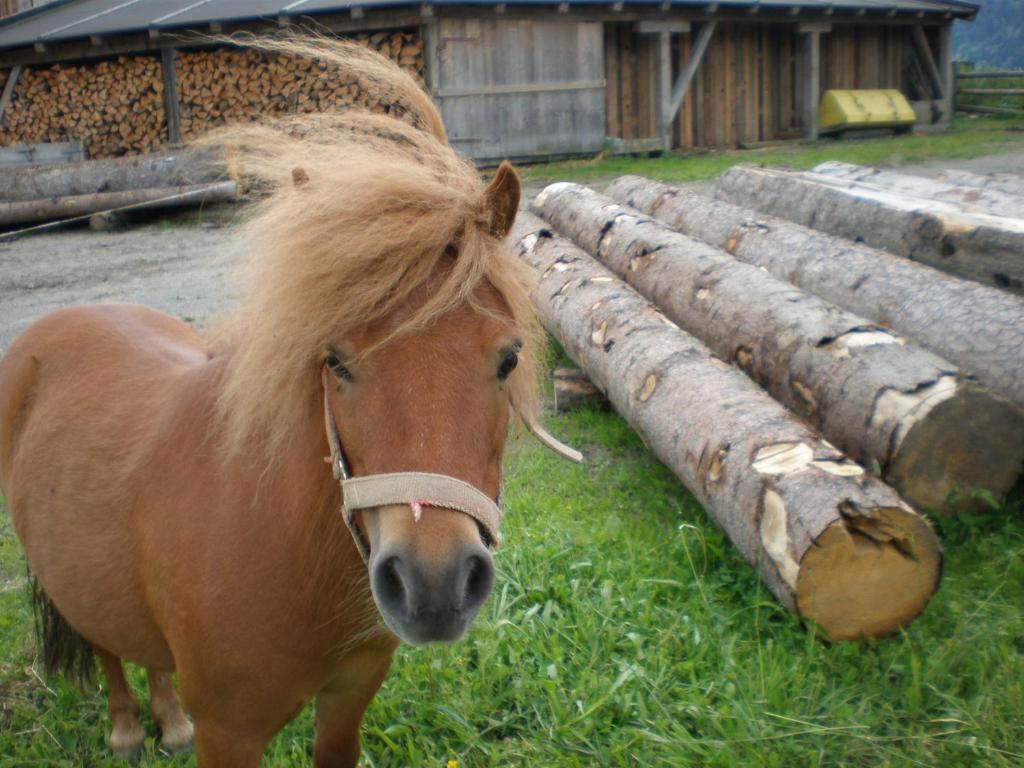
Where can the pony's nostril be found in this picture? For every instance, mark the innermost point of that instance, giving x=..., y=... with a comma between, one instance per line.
x=479, y=578
x=389, y=586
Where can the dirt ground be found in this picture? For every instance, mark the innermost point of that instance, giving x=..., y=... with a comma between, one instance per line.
x=185, y=270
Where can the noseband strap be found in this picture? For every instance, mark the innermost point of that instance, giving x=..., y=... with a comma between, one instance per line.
x=413, y=489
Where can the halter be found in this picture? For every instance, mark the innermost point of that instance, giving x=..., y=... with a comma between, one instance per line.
x=417, y=489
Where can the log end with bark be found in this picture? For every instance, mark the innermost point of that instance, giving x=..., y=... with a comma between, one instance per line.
x=868, y=574
x=969, y=441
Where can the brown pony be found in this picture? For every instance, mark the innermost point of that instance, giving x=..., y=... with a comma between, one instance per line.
x=170, y=488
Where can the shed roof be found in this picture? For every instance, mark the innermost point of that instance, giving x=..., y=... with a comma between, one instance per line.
x=73, y=19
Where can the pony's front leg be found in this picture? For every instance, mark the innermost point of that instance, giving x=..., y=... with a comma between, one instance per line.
x=340, y=708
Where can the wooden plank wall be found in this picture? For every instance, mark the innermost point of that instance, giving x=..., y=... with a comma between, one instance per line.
x=630, y=107
x=750, y=85
x=518, y=88
x=863, y=57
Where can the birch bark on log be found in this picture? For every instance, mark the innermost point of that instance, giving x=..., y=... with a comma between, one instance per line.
x=988, y=249
x=1006, y=183
x=981, y=329
x=830, y=541
x=968, y=200
x=894, y=407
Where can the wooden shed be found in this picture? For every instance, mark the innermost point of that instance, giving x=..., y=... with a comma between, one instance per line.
x=525, y=80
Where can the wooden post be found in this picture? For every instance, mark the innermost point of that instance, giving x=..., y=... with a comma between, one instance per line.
x=946, y=69
x=812, y=81
x=12, y=81
x=921, y=42
x=432, y=57
x=686, y=76
x=663, y=76
x=172, y=106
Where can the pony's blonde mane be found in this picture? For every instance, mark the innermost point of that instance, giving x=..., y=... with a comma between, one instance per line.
x=361, y=211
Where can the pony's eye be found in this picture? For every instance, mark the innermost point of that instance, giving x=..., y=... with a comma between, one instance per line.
x=339, y=370
x=508, y=364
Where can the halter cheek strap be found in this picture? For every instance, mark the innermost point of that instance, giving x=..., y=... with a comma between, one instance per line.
x=415, y=489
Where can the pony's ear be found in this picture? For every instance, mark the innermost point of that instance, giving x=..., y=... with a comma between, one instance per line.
x=502, y=196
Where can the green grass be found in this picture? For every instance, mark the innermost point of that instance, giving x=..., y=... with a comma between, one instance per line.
x=625, y=630
x=969, y=137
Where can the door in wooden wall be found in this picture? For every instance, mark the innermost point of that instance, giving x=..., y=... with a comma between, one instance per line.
x=747, y=89
x=630, y=97
x=519, y=88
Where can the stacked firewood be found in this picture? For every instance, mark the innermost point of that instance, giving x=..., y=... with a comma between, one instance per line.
x=234, y=85
x=117, y=107
x=113, y=107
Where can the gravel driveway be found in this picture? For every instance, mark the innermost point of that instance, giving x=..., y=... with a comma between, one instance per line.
x=183, y=270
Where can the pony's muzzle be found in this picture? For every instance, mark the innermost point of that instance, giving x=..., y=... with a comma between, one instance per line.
x=424, y=603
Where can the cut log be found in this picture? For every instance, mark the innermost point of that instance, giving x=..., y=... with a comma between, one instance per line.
x=573, y=391
x=968, y=200
x=979, y=328
x=988, y=249
x=831, y=542
x=1007, y=183
x=160, y=169
x=81, y=205
x=896, y=408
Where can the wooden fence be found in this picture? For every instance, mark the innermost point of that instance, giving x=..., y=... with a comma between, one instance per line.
x=995, y=92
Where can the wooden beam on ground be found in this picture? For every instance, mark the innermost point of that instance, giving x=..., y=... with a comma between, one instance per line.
x=573, y=391
x=172, y=103
x=80, y=205
x=682, y=84
x=812, y=82
x=925, y=50
x=9, y=90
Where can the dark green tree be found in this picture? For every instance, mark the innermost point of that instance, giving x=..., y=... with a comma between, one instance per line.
x=995, y=38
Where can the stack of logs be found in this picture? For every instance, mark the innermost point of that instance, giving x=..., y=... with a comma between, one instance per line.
x=758, y=360
x=116, y=107
x=112, y=107
x=237, y=85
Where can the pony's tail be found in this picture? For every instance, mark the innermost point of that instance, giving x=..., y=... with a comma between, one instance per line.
x=65, y=652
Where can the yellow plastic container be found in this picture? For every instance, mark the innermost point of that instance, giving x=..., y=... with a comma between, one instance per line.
x=842, y=110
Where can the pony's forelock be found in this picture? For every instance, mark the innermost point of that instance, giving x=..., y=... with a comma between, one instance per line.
x=361, y=211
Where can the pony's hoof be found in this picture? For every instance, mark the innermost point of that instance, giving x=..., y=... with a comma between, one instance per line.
x=126, y=742
x=177, y=738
